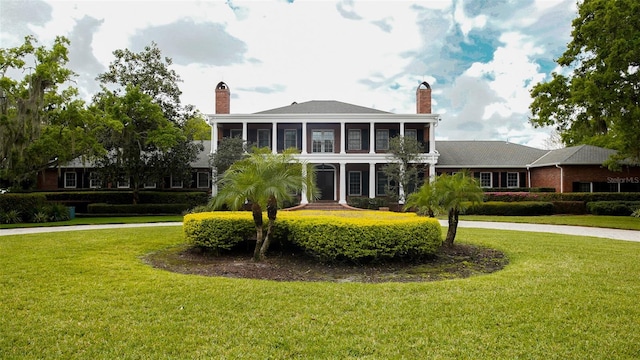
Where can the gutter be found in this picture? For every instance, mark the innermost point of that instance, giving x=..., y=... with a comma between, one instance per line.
x=561, y=178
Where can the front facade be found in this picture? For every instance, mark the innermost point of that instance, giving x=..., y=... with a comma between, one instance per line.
x=347, y=144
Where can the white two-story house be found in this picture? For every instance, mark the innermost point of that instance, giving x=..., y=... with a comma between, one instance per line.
x=347, y=144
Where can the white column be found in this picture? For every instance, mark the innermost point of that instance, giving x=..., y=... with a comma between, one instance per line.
x=372, y=180
x=303, y=194
x=244, y=131
x=214, y=137
x=343, y=184
x=401, y=190
x=304, y=138
x=372, y=138
x=432, y=172
x=343, y=137
x=432, y=137
x=274, y=138
x=214, y=182
x=402, y=128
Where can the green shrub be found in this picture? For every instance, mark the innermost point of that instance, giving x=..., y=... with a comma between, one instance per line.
x=364, y=239
x=636, y=213
x=57, y=212
x=612, y=208
x=367, y=203
x=523, y=208
x=11, y=217
x=137, y=209
x=218, y=231
x=569, y=207
x=25, y=203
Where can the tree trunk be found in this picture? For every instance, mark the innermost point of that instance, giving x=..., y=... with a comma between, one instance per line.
x=256, y=210
x=272, y=211
x=453, y=227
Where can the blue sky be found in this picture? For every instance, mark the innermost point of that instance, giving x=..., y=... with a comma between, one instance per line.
x=481, y=57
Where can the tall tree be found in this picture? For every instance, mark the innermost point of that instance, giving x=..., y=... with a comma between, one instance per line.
x=138, y=139
x=404, y=168
x=147, y=76
x=265, y=180
x=39, y=123
x=597, y=102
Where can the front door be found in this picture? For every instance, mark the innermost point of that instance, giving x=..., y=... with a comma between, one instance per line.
x=325, y=177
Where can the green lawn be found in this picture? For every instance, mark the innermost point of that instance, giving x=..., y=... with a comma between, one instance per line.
x=98, y=221
x=88, y=295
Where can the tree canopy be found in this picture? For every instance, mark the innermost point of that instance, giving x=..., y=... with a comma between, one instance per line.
x=40, y=123
x=596, y=98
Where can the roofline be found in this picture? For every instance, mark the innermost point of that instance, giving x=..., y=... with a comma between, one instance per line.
x=316, y=118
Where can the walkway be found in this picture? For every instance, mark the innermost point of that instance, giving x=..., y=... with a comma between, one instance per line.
x=627, y=235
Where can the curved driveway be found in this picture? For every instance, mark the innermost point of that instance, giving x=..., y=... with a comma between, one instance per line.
x=627, y=235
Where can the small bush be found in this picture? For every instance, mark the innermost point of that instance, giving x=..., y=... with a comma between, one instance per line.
x=367, y=203
x=11, y=217
x=612, y=208
x=217, y=231
x=636, y=213
x=58, y=212
x=524, y=208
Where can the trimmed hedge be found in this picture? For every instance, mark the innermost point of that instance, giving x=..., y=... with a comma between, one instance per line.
x=367, y=203
x=137, y=209
x=569, y=207
x=218, y=231
x=356, y=236
x=501, y=208
x=193, y=198
x=613, y=208
x=23, y=203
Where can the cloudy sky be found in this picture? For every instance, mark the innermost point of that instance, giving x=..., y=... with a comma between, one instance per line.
x=481, y=57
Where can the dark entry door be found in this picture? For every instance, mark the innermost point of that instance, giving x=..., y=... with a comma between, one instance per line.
x=325, y=180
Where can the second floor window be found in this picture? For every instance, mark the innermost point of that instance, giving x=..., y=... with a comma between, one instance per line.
x=264, y=138
x=322, y=141
x=355, y=139
x=290, y=138
x=382, y=139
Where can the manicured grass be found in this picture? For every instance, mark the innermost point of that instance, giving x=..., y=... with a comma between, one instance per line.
x=99, y=220
x=89, y=295
x=614, y=222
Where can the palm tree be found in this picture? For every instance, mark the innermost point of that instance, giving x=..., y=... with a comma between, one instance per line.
x=264, y=179
x=455, y=193
x=425, y=200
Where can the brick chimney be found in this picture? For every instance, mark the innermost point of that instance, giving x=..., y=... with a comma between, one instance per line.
x=423, y=98
x=223, y=98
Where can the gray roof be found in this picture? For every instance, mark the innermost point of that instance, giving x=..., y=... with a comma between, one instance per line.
x=575, y=155
x=202, y=161
x=322, y=107
x=484, y=154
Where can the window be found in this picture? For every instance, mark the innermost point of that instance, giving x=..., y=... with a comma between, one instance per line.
x=290, y=138
x=512, y=180
x=176, y=182
x=123, y=182
x=149, y=185
x=411, y=133
x=264, y=138
x=70, y=179
x=485, y=180
x=322, y=141
x=383, y=182
x=235, y=133
x=203, y=180
x=94, y=180
x=382, y=139
x=355, y=183
x=355, y=139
